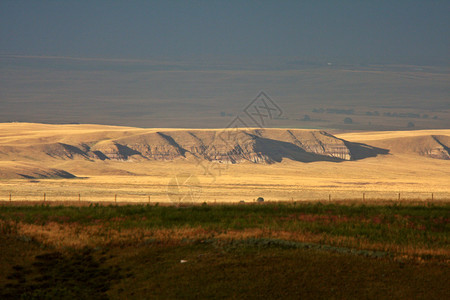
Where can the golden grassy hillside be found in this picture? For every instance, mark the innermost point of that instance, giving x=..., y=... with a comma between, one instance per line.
x=432, y=143
x=18, y=170
x=382, y=164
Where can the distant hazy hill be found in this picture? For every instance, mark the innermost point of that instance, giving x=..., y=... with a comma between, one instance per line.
x=190, y=94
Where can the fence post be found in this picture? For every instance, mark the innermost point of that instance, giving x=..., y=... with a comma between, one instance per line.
x=329, y=197
x=398, y=196
x=79, y=197
x=115, y=198
x=9, y=196
x=44, y=197
x=148, y=199
x=432, y=197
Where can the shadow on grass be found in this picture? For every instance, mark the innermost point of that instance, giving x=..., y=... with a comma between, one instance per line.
x=54, y=275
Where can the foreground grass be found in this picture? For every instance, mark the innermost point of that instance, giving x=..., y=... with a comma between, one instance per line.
x=410, y=229
x=272, y=250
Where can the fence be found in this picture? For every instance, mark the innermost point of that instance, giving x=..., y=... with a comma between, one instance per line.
x=304, y=195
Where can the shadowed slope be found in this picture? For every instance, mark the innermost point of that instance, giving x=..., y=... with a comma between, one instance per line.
x=361, y=151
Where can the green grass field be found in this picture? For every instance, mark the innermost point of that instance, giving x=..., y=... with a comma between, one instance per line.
x=295, y=250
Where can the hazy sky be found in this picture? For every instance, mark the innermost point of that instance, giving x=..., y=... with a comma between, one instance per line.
x=374, y=31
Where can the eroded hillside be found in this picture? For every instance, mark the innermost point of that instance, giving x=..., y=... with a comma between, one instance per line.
x=266, y=146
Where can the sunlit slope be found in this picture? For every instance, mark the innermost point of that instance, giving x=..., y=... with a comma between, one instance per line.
x=430, y=143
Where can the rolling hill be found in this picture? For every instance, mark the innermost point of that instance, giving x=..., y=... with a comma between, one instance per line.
x=21, y=170
x=428, y=143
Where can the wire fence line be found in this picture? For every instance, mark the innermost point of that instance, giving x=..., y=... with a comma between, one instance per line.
x=142, y=198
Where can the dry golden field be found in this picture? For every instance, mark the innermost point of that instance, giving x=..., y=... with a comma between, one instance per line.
x=27, y=171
